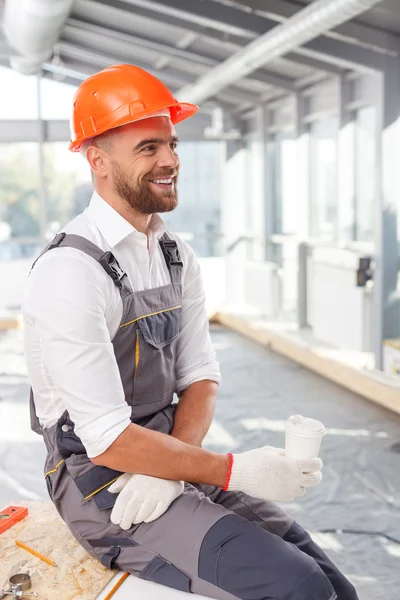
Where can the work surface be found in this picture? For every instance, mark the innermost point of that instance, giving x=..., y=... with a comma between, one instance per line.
x=77, y=575
x=360, y=490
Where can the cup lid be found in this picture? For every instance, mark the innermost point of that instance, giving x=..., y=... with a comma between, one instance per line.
x=305, y=426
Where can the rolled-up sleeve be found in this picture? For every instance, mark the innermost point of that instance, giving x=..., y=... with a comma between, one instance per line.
x=65, y=302
x=195, y=354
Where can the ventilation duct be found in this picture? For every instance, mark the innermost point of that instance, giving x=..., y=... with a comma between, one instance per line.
x=32, y=27
x=305, y=25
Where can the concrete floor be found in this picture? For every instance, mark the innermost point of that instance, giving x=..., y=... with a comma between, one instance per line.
x=349, y=514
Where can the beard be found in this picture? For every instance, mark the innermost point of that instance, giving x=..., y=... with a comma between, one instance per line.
x=140, y=197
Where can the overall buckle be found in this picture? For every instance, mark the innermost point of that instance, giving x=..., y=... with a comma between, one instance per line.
x=111, y=266
x=171, y=253
x=56, y=241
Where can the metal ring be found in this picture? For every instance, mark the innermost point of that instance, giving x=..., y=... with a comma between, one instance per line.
x=22, y=580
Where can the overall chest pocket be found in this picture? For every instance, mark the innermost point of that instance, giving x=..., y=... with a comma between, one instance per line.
x=154, y=357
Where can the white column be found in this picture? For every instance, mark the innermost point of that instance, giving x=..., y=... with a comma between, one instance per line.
x=256, y=185
x=302, y=168
x=233, y=220
x=346, y=215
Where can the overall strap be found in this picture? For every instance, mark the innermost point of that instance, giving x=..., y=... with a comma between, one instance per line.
x=172, y=258
x=109, y=263
x=106, y=259
x=35, y=423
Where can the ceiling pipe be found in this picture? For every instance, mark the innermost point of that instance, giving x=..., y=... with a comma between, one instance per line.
x=32, y=27
x=305, y=25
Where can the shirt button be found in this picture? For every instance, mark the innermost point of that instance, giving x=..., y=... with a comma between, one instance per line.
x=65, y=428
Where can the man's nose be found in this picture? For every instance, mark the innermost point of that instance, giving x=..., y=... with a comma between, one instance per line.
x=168, y=158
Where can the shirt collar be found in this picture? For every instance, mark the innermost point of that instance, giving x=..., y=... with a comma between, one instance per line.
x=112, y=226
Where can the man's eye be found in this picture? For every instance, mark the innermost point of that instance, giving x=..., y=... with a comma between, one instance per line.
x=149, y=148
x=174, y=145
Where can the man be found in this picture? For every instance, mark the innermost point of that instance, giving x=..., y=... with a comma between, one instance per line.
x=114, y=325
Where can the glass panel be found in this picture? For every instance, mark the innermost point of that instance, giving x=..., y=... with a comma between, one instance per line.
x=323, y=179
x=19, y=200
x=286, y=205
x=57, y=99
x=69, y=189
x=197, y=217
x=286, y=217
x=68, y=185
x=18, y=99
x=19, y=220
x=365, y=167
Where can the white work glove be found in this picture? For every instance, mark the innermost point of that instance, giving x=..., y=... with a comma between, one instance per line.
x=142, y=498
x=269, y=474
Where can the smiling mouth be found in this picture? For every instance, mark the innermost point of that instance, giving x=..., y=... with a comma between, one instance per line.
x=164, y=183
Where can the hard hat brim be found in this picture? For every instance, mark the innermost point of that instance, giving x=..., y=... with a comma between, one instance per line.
x=180, y=111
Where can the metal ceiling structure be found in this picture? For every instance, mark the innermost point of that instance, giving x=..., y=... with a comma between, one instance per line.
x=182, y=41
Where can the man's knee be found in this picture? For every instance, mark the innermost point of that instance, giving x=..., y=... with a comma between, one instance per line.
x=347, y=591
x=250, y=563
x=300, y=538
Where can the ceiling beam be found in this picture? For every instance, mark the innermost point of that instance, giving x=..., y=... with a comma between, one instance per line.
x=372, y=37
x=65, y=72
x=66, y=75
x=109, y=39
x=304, y=32
x=59, y=130
x=273, y=79
x=100, y=60
x=347, y=56
x=313, y=63
x=101, y=12
x=255, y=25
x=207, y=14
x=30, y=131
x=77, y=31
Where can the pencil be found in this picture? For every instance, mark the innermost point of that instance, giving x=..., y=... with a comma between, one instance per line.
x=46, y=560
x=116, y=586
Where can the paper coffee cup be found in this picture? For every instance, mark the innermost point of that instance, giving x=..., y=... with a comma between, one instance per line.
x=303, y=437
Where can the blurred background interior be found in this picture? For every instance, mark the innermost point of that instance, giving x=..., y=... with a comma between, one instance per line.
x=290, y=196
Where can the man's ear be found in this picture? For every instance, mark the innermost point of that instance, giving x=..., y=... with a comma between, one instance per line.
x=98, y=161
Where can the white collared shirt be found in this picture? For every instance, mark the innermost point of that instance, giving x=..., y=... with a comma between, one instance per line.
x=72, y=310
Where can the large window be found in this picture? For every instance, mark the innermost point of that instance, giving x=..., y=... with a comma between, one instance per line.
x=19, y=200
x=286, y=206
x=18, y=98
x=68, y=184
x=365, y=168
x=67, y=192
x=56, y=99
x=198, y=215
x=323, y=179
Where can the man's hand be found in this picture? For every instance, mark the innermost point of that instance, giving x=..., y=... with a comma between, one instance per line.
x=142, y=498
x=269, y=474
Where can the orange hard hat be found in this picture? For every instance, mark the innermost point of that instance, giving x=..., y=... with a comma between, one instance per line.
x=119, y=95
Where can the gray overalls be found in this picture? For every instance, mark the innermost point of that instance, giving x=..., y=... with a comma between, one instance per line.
x=206, y=540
